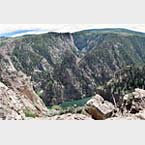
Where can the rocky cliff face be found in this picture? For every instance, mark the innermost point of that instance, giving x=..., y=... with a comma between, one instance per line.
x=124, y=81
x=132, y=107
x=18, y=100
x=71, y=66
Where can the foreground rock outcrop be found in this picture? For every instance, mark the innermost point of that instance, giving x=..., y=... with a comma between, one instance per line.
x=133, y=102
x=70, y=116
x=18, y=106
x=18, y=100
x=99, y=108
x=10, y=105
x=132, y=107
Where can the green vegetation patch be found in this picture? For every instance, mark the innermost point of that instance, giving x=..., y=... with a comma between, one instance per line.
x=29, y=113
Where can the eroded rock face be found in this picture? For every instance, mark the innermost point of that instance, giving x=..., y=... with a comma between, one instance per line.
x=124, y=118
x=17, y=97
x=134, y=102
x=129, y=116
x=98, y=108
x=67, y=116
x=10, y=104
x=133, y=106
x=71, y=66
x=141, y=115
x=16, y=105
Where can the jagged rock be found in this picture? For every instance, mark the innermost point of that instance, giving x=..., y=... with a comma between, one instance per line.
x=124, y=118
x=17, y=97
x=98, y=108
x=16, y=106
x=10, y=105
x=129, y=116
x=141, y=115
x=139, y=93
x=134, y=102
x=67, y=116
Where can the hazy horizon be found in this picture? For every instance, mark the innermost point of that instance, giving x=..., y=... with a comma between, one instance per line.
x=14, y=30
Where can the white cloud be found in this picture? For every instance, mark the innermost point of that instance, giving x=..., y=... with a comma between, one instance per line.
x=4, y=28
x=33, y=32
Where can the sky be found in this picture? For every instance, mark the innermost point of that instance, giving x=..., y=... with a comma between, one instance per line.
x=13, y=30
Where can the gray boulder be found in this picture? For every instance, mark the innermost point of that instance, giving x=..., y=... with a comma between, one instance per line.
x=99, y=108
x=134, y=102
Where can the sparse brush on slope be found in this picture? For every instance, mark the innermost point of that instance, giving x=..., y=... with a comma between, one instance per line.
x=124, y=82
x=66, y=66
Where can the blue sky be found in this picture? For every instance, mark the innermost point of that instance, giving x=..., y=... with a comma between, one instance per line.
x=13, y=30
x=17, y=32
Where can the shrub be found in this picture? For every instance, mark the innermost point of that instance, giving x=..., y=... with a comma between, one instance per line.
x=29, y=113
x=56, y=107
